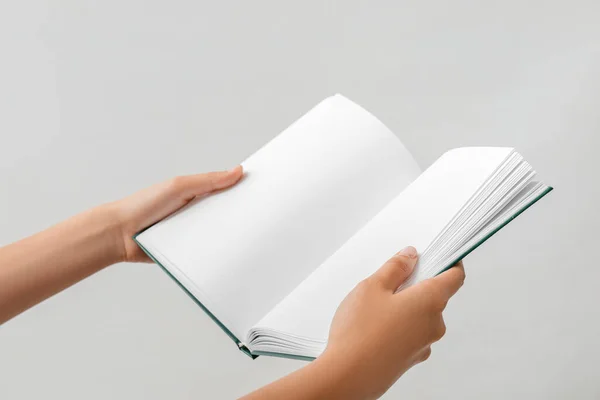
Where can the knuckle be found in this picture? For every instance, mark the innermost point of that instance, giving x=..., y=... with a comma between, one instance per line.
x=401, y=263
x=436, y=302
x=426, y=354
x=440, y=303
x=461, y=274
x=377, y=280
x=439, y=331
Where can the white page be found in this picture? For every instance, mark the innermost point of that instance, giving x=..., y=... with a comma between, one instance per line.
x=415, y=217
x=304, y=194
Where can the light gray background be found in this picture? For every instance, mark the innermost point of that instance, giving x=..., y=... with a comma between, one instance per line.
x=101, y=98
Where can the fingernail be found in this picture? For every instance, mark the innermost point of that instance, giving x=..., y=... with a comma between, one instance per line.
x=409, y=252
x=233, y=169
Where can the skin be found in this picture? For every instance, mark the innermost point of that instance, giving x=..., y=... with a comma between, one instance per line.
x=353, y=366
x=405, y=325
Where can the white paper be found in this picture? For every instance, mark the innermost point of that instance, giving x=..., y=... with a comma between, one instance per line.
x=415, y=217
x=304, y=194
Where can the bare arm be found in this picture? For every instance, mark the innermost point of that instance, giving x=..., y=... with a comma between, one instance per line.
x=375, y=337
x=39, y=266
x=42, y=265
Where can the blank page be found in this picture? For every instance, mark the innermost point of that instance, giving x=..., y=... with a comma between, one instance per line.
x=415, y=217
x=305, y=193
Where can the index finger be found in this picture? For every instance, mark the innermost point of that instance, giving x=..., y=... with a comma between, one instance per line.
x=451, y=280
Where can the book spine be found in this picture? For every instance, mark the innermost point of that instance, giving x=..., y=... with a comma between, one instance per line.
x=241, y=346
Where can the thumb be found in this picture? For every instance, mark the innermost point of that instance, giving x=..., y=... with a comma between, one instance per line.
x=397, y=269
x=195, y=185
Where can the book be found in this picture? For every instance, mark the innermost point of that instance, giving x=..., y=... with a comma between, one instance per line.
x=322, y=206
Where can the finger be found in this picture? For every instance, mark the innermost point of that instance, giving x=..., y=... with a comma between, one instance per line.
x=423, y=355
x=397, y=269
x=451, y=280
x=440, y=329
x=196, y=185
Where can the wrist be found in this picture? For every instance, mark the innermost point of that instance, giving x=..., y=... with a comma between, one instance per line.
x=111, y=231
x=341, y=375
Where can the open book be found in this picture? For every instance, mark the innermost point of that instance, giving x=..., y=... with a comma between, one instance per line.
x=321, y=207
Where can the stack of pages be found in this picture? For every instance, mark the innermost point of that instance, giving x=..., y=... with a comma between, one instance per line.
x=321, y=207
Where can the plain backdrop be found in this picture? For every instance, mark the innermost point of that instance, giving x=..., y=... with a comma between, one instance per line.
x=101, y=98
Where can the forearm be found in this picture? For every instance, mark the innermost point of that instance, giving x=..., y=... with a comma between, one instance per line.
x=328, y=377
x=46, y=263
x=41, y=265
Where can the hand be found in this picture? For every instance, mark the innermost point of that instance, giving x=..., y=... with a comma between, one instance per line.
x=377, y=335
x=144, y=208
